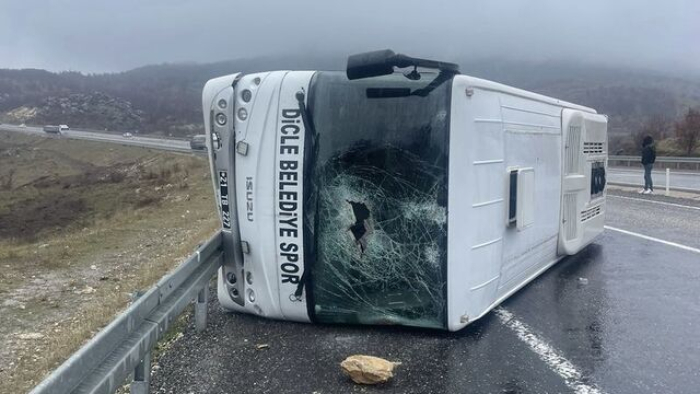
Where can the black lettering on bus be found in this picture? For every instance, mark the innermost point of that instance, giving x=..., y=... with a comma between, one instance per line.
x=289, y=164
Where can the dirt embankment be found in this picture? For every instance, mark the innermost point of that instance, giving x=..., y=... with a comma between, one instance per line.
x=82, y=226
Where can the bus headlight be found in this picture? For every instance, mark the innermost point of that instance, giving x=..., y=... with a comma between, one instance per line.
x=251, y=295
x=246, y=95
x=221, y=119
x=242, y=114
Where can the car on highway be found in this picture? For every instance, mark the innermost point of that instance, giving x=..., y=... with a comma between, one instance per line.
x=127, y=135
x=23, y=126
x=199, y=142
x=52, y=129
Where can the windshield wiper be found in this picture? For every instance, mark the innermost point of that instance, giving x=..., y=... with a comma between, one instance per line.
x=311, y=138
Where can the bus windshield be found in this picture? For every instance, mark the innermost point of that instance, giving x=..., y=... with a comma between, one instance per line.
x=376, y=199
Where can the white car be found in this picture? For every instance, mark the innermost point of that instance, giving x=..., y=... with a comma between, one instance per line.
x=127, y=135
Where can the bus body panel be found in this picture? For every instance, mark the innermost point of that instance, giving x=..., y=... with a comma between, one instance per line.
x=494, y=130
x=585, y=153
x=250, y=154
x=217, y=100
x=255, y=180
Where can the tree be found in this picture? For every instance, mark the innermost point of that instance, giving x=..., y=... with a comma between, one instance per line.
x=688, y=131
x=656, y=126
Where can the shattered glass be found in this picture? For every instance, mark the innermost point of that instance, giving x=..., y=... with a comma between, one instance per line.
x=377, y=210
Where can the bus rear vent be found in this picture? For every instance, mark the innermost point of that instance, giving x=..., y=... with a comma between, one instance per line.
x=570, y=227
x=573, y=158
x=590, y=213
x=592, y=147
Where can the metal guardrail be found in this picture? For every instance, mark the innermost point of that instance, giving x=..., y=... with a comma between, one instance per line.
x=124, y=346
x=684, y=162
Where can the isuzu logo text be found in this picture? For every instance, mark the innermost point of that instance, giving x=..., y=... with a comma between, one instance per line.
x=249, y=197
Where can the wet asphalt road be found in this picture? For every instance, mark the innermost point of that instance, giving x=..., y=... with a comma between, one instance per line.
x=624, y=313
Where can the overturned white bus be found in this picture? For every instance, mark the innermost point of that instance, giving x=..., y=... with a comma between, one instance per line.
x=374, y=196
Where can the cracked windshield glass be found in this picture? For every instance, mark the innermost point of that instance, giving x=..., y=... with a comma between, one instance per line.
x=377, y=212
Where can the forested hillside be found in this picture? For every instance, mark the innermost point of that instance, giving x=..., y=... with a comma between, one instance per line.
x=165, y=99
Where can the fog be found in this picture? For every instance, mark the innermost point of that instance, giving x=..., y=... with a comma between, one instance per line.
x=97, y=36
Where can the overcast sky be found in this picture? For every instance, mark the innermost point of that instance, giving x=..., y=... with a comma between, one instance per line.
x=116, y=35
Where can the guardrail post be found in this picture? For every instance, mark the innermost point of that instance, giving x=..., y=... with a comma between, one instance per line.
x=200, y=308
x=668, y=181
x=142, y=376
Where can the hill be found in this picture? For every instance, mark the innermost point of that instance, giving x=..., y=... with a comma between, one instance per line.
x=165, y=98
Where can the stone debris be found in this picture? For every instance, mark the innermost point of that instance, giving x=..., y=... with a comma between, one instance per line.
x=368, y=369
x=30, y=336
x=86, y=290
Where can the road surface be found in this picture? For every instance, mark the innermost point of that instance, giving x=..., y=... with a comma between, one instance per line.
x=620, y=317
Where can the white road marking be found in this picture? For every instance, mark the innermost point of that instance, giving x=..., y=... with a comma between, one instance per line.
x=669, y=243
x=573, y=378
x=670, y=204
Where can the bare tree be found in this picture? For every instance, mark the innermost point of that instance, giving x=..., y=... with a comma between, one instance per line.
x=656, y=126
x=688, y=131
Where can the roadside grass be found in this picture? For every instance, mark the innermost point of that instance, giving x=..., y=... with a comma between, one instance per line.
x=83, y=227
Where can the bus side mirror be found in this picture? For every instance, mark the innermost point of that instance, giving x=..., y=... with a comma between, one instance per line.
x=378, y=63
x=371, y=64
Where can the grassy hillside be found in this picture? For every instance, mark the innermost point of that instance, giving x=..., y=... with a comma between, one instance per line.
x=83, y=225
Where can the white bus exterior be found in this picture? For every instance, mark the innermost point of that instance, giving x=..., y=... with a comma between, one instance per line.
x=376, y=202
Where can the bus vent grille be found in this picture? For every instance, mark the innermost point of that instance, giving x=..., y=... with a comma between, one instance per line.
x=593, y=147
x=570, y=222
x=590, y=213
x=573, y=156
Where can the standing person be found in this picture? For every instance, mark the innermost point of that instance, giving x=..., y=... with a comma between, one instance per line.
x=648, y=159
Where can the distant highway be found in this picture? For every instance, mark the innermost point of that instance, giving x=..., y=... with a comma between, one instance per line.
x=146, y=142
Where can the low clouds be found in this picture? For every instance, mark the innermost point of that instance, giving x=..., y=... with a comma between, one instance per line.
x=95, y=36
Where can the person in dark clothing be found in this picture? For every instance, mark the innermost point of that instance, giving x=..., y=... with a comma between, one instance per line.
x=648, y=159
